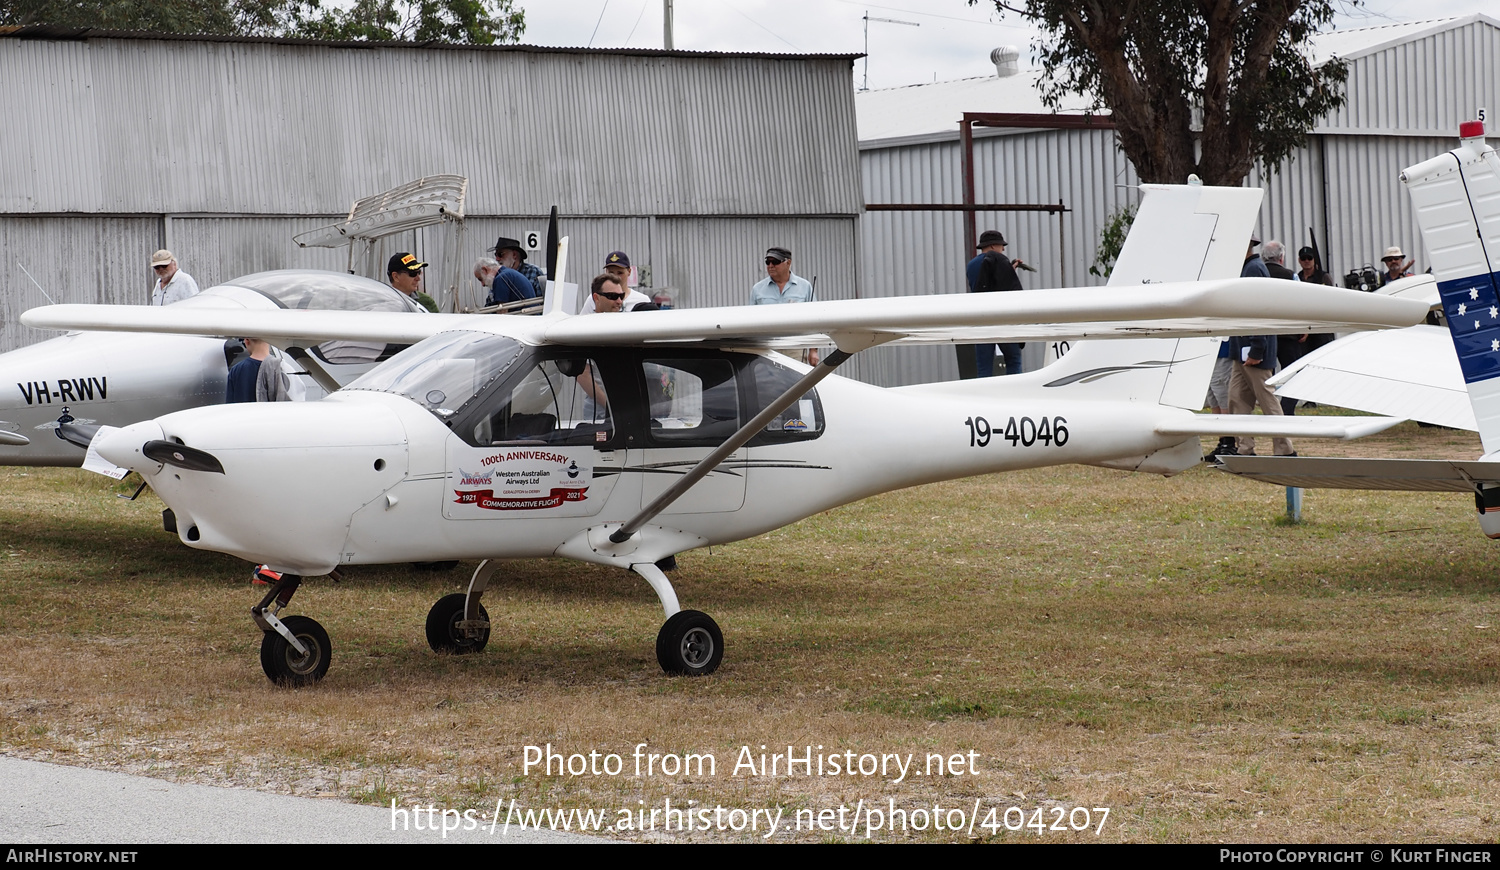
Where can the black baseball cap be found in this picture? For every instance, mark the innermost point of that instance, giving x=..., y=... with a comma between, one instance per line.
x=404, y=262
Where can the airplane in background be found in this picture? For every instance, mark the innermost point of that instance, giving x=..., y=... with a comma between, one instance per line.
x=1414, y=373
x=114, y=379
x=623, y=439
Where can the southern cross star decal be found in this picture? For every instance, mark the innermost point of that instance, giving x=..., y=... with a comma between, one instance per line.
x=1474, y=293
x=1494, y=312
x=1462, y=309
x=1495, y=344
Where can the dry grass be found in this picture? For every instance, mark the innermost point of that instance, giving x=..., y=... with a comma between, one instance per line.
x=1164, y=648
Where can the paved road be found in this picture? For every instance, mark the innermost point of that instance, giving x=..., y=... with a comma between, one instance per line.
x=48, y=803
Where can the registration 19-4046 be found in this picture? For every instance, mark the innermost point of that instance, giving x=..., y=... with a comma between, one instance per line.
x=1023, y=432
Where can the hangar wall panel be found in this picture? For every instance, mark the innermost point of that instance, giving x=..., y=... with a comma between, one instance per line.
x=1425, y=86
x=260, y=128
x=1371, y=209
x=216, y=249
x=99, y=260
x=715, y=261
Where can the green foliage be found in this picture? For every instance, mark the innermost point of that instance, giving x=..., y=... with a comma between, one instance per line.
x=471, y=22
x=1111, y=240
x=1204, y=87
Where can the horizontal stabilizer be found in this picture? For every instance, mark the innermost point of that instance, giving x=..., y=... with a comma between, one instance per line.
x=1414, y=475
x=1411, y=373
x=1259, y=425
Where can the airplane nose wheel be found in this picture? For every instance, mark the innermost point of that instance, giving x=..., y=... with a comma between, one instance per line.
x=287, y=667
x=449, y=632
x=690, y=643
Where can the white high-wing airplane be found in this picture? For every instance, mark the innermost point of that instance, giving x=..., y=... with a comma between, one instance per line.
x=1414, y=373
x=113, y=379
x=623, y=439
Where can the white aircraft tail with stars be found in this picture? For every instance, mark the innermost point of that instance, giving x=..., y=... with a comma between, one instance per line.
x=1414, y=372
x=623, y=439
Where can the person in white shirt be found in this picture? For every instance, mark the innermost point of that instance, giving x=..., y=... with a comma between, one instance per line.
x=172, y=284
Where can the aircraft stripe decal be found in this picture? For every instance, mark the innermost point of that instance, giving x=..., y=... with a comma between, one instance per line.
x=1095, y=374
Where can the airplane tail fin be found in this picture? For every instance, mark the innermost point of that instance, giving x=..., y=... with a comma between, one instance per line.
x=1180, y=233
x=1457, y=200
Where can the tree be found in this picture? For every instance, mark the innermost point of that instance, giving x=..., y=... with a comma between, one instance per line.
x=1236, y=70
x=472, y=22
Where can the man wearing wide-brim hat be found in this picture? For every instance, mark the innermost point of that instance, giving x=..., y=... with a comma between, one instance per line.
x=1396, y=265
x=512, y=256
x=990, y=271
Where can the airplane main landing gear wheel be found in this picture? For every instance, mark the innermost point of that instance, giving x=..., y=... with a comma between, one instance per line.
x=287, y=667
x=690, y=643
x=445, y=635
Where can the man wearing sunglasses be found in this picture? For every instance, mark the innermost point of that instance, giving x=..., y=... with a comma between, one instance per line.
x=782, y=286
x=617, y=270
x=172, y=284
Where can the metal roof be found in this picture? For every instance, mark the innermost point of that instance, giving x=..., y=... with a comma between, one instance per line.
x=1361, y=41
x=930, y=112
x=53, y=32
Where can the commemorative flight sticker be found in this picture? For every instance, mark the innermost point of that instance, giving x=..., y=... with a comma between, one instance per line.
x=500, y=481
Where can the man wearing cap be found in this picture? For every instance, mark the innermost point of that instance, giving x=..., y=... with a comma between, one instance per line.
x=512, y=256
x=172, y=284
x=1394, y=268
x=617, y=267
x=405, y=273
x=990, y=271
x=782, y=286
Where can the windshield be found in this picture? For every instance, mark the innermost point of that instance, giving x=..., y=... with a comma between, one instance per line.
x=444, y=372
x=334, y=291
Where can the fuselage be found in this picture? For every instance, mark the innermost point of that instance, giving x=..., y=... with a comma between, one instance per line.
x=376, y=476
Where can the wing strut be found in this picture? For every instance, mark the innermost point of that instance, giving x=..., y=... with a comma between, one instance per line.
x=735, y=442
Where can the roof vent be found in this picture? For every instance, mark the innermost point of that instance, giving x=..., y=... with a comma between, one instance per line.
x=1006, y=59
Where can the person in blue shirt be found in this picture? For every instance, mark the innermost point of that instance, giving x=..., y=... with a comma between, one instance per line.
x=782, y=286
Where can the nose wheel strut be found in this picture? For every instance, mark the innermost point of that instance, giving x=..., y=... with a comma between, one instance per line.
x=295, y=651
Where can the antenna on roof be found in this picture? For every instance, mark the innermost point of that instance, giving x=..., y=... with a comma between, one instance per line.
x=868, y=19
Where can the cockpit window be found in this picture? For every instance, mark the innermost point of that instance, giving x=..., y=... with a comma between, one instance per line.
x=335, y=291
x=444, y=372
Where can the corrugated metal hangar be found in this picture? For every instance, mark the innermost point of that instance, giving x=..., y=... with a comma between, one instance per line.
x=223, y=149
x=1409, y=87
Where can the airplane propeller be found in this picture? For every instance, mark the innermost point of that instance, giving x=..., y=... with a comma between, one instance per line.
x=182, y=456
x=73, y=432
x=552, y=244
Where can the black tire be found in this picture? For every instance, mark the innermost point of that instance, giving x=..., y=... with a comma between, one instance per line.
x=287, y=667
x=442, y=627
x=690, y=643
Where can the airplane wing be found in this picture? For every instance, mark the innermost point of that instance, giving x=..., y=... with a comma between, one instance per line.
x=281, y=325
x=1415, y=475
x=1411, y=373
x=1213, y=308
x=1237, y=306
x=1263, y=425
